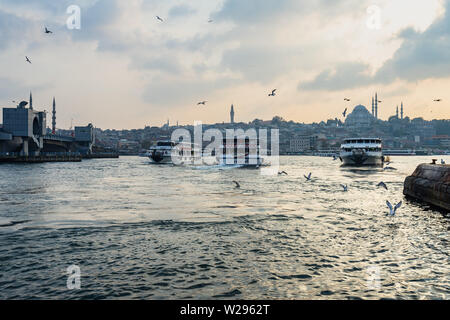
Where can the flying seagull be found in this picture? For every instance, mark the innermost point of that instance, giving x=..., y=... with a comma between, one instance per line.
x=47, y=31
x=237, y=184
x=28, y=60
x=273, y=93
x=346, y=99
x=345, y=187
x=202, y=102
x=159, y=18
x=382, y=184
x=393, y=209
x=379, y=101
x=308, y=178
x=437, y=100
x=345, y=112
x=210, y=20
x=282, y=172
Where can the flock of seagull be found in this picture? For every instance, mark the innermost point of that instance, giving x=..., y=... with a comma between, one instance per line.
x=271, y=94
x=392, y=209
x=46, y=31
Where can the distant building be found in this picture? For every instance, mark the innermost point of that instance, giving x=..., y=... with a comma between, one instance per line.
x=442, y=141
x=300, y=144
x=24, y=129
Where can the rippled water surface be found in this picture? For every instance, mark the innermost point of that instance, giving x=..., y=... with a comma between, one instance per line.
x=144, y=231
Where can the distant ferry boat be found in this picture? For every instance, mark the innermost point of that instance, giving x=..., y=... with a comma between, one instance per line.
x=399, y=152
x=166, y=151
x=361, y=152
x=251, y=154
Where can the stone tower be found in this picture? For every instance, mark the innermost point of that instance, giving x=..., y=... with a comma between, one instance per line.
x=401, y=111
x=376, y=105
x=54, y=117
x=232, y=114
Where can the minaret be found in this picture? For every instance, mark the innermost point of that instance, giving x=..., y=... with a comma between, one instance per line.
x=232, y=114
x=54, y=117
x=373, y=108
x=396, y=114
x=31, y=101
x=376, y=106
x=401, y=112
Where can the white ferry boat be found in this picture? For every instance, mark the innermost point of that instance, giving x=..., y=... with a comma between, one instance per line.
x=403, y=152
x=249, y=154
x=362, y=152
x=171, y=152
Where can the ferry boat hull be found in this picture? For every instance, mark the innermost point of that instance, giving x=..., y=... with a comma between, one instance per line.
x=363, y=159
x=362, y=152
x=159, y=158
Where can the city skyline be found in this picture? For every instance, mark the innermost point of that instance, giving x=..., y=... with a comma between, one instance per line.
x=125, y=69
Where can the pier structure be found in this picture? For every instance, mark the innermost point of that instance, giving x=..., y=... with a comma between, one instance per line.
x=430, y=183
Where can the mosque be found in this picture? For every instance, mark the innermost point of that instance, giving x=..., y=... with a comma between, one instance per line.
x=361, y=117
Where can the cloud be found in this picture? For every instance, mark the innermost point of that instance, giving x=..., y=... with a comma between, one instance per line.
x=9, y=26
x=345, y=76
x=181, y=11
x=422, y=55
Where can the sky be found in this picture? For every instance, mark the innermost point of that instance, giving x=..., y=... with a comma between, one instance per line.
x=123, y=68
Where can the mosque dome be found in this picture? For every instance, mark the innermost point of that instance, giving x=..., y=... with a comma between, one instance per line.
x=360, y=117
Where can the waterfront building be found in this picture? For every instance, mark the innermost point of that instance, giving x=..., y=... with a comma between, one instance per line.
x=300, y=144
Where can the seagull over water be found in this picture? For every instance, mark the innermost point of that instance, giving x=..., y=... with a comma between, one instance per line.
x=282, y=172
x=47, y=31
x=346, y=99
x=202, y=102
x=345, y=187
x=382, y=184
x=273, y=93
x=28, y=60
x=392, y=210
x=308, y=178
x=237, y=184
x=159, y=18
x=437, y=100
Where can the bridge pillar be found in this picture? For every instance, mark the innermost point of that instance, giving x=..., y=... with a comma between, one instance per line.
x=24, y=151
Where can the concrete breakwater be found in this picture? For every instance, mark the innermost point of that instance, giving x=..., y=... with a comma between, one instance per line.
x=430, y=183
